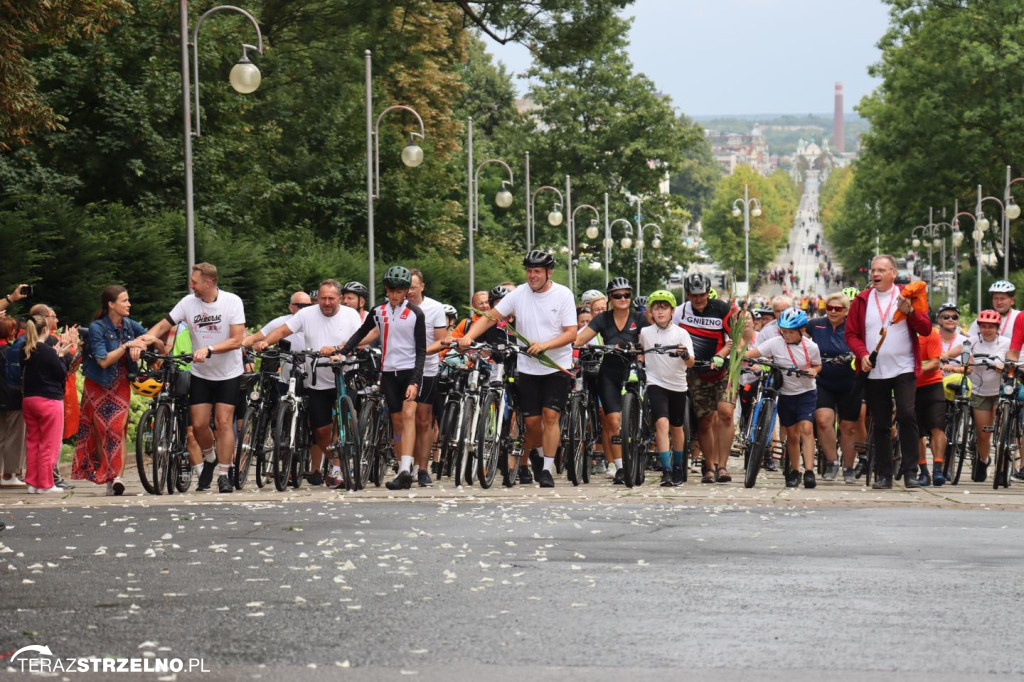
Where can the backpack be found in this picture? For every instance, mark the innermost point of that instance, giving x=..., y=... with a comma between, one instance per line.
x=84, y=343
x=11, y=379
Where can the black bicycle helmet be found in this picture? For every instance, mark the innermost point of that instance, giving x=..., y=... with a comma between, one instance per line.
x=497, y=293
x=618, y=283
x=398, y=277
x=640, y=302
x=356, y=288
x=697, y=283
x=948, y=305
x=538, y=259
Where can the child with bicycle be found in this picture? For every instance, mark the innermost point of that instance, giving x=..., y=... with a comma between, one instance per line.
x=666, y=384
x=989, y=351
x=798, y=396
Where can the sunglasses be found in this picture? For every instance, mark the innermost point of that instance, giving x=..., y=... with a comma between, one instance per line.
x=834, y=308
x=621, y=297
x=301, y=305
x=950, y=317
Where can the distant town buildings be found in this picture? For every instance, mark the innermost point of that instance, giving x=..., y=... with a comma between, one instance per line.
x=736, y=149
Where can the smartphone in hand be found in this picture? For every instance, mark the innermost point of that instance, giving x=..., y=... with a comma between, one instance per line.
x=25, y=290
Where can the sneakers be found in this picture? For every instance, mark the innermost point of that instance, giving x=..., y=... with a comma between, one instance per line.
x=980, y=472
x=678, y=476
x=1018, y=474
x=315, y=478
x=792, y=478
x=223, y=484
x=770, y=464
x=11, y=482
x=40, y=491
x=923, y=478
x=831, y=471
x=117, y=486
x=435, y=469
x=809, y=480
x=536, y=463
x=610, y=470
x=206, y=476
x=545, y=479
x=849, y=478
x=938, y=478
x=666, y=479
x=525, y=475
x=882, y=483
x=424, y=479
x=599, y=468
x=403, y=481
x=910, y=482
x=861, y=466
x=329, y=481
x=110, y=489
x=506, y=479
x=620, y=477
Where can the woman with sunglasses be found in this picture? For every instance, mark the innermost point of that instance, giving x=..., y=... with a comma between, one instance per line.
x=839, y=391
x=951, y=336
x=618, y=326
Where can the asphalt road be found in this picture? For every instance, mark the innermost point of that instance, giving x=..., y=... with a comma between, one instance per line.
x=547, y=589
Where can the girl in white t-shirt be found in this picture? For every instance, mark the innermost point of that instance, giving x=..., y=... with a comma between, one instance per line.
x=798, y=397
x=990, y=348
x=666, y=384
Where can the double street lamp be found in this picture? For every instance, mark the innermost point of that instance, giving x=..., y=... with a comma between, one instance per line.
x=412, y=156
x=244, y=78
x=746, y=203
x=503, y=199
x=591, y=233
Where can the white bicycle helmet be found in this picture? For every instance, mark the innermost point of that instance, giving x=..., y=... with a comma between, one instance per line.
x=1002, y=287
x=590, y=296
x=450, y=311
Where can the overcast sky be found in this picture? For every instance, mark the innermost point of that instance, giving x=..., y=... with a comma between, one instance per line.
x=749, y=56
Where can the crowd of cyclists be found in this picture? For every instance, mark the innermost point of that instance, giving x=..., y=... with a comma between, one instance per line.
x=534, y=383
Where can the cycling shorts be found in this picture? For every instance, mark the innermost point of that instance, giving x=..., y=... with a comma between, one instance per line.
x=668, y=404
x=538, y=392
x=846, y=403
x=209, y=392
x=393, y=385
x=321, y=407
x=610, y=381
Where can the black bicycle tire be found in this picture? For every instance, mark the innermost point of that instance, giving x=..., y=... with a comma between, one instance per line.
x=244, y=447
x=490, y=439
x=589, y=437
x=575, y=455
x=448, y=431
x=355, y=473
x=366, y=426
x=300, y=452
x=961, y=433
x=162, y=446
x=143, y=449
x=463, y=458
x=757, y=446
x=282, y=456
x=1004, y=454
x=629, y=438
x=264, y=455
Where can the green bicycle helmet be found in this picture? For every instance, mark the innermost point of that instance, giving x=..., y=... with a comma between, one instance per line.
x=398, y=277
x=661, y=296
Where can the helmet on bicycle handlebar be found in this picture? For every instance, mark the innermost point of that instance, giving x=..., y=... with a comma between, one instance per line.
x=146, y=386
x=989, y=317
x=792, y=318
x=398, y=277
x=661, y=296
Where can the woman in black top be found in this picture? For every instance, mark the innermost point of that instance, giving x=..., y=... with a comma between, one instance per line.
x=44, y=370
x=618, y=326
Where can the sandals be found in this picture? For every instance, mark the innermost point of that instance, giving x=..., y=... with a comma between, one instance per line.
x=708, y=477
x=722, y=476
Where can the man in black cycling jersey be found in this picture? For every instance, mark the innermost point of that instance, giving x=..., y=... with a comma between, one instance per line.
x=401, y=327
x=618, y=326
x=545, y=313
x=708, y=323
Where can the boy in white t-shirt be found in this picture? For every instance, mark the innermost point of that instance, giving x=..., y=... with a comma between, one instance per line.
x=666, y=384
x=990, y=348
x=798, y=397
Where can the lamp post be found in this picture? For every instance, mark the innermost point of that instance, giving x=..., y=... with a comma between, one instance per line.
x=1011, y=211
x=930, y=232
x=412, y=156
x=746, y=202
x=982, y=223
x=608, y=242
x=244, y=78
x=655, y=243
x=554, y=215
x=592, y=233
x=503, y=199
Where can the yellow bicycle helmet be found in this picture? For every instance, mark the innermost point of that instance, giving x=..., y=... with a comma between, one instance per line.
x=951, y=385
x=147, y=386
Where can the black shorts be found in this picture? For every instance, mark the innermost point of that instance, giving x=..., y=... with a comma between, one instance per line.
x=610, y=380
x=321, y=407
x=209, y=392
x=930, y=406
x=537, y=392
x=665, y=403
x=846, y=403
x=393, y=385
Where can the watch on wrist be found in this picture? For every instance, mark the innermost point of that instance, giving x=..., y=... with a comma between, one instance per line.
x=209, y=350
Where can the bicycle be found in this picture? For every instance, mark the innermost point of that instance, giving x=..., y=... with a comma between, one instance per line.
x=500, y=428
x=293, y=436
x=161, y=446
x=256, y=437
x=344, y=443
x=580, y=430
x=1008, y=423
x=373, y=425
x=758, y=439
x=462, y=412
x=959, y=424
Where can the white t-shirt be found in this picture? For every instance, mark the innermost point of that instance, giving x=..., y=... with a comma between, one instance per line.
x=209, y=324
x=802, y=355
x=294, y=339
x=433, y=313
x=664, y=370
x=541, y=317
x=1005, y=327
x=956, y=342
x=896, y=356
x=985, y=381
x=317, y=331
x=769, y=331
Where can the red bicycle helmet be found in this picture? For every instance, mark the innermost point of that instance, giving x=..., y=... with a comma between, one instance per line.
x=989, y=317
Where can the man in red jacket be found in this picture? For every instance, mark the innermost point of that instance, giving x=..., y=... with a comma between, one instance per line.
x=893, y=370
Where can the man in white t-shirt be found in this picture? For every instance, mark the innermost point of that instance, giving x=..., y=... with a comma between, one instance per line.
x=216, y=324
x=893, y=371
x=299, y=300
x=427, y=402
x=322, y=327
x=545, y=313
x=771, y=329
x=1004, y=297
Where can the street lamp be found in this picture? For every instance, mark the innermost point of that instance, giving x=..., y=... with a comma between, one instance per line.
x=592, y=230
x=412, y=156
x=609, y=242
x=930, y=232
x=746, y=202
x=1011, y=212
x=244, y=78
x=976, y=235
x=555, y=214
x=503, y=199
x=655, y=243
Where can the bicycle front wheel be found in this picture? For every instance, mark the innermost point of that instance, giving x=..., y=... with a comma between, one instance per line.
x=760, y=442
x=462, y=461
x=960, y=439
x=1008, y=437
x=163, y=444
x=144, y=436
x=630, y=436
x=283, y=450
x=245, y=447
x=355, y=470
x=490, y=428
x=264, y=450
x=366, y=425
x=575, y=450
x=448, y=436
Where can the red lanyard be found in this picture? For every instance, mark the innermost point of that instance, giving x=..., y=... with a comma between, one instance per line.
x=1006, y=321
x=807, y=356
x=884, y=316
